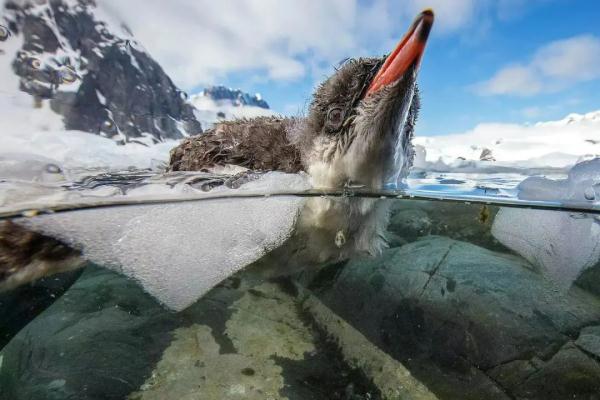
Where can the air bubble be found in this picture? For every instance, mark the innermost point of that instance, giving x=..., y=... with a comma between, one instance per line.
x=53, y=169
x=340, y=239
x=589, y=194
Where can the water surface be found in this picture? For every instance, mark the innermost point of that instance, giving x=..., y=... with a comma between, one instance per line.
x=479, y=294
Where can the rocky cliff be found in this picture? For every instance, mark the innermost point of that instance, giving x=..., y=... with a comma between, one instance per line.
x=94, y=72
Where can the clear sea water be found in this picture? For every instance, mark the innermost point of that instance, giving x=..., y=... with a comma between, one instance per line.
x=479, y=295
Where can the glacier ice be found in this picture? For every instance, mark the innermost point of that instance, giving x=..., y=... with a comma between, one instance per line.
x=562, y=244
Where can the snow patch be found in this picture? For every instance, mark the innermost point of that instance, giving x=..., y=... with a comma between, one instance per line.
x=555, y=144
x=36, y=130
x=76, y=149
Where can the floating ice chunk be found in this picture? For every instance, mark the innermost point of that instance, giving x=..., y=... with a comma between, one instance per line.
x=583, y=177
x=179, y=251
x=580, y=179
x=542, y=189
x=562, y=244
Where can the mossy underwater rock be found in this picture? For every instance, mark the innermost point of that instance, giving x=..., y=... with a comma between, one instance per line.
x=262, y=326
x=105, y=338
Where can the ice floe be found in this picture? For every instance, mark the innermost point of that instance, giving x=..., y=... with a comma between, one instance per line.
x=562, y=244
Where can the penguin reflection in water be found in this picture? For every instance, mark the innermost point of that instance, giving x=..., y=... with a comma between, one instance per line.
x=357, y=133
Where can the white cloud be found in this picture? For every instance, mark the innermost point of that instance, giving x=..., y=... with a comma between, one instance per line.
x=515, y=79
x=199, y=42
x=574, y=58
x=553, y=67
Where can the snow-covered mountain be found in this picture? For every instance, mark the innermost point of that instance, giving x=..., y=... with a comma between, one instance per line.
x=557, y=144
x=70, y=56
x=217, y=103
x=68, y=68
x=234, y=96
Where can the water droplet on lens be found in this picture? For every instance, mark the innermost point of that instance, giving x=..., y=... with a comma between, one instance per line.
x=589, y=194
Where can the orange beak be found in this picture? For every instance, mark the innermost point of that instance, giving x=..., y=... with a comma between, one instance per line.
x=408, y=53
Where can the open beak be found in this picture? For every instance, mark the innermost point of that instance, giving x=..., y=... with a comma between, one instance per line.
x=408, y=53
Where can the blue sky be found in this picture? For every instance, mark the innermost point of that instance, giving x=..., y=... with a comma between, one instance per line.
x=487, y=60
x=455, y=61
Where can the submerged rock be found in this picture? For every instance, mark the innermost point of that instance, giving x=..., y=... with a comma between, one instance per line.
x=589, y=340
x=410, y=224
x=263, y=349
x=590, y=280
x=193, y=368
x=98, y=341
x=414, y=219
x=107, y=339
x=392, y=379
x=568, y=374
x=433, y=318
x=21, y=305
x=263, y=325
x=451, y=312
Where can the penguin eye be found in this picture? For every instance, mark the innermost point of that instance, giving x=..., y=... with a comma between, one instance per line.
x=335, y=118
